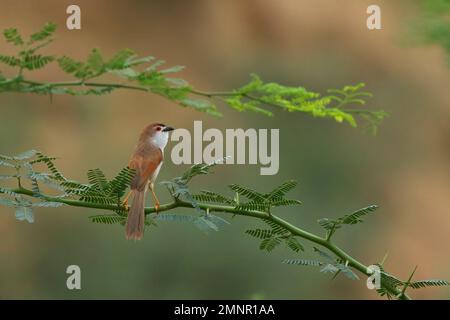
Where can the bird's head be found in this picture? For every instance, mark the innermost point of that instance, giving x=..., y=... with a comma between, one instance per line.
x=157, y=134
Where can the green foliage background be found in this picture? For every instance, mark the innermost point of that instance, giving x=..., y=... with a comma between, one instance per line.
x=339, y=170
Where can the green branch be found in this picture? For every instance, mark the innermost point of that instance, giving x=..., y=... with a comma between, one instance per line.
x=352, y=262
x=147, y=75
x=103, y=194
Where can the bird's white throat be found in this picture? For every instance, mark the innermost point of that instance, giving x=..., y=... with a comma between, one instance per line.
x=160, y=139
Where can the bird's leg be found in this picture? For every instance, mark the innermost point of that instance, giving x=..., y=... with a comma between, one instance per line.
x=155, y=198
x=125, y=201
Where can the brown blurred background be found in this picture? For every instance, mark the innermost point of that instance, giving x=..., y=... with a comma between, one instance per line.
x=317, y=44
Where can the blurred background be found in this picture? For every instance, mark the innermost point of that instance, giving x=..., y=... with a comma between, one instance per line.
x=317, y=44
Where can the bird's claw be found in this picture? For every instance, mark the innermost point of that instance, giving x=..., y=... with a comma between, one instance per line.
x=125, y=205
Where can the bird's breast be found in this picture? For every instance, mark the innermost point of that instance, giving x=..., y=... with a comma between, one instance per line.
x=156, y=172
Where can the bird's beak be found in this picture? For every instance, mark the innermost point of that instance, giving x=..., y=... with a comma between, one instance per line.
x=168, y=129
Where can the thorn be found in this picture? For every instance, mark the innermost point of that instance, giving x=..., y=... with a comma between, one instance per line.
x=412, y=274
x=335, y=275
x=384, y=259
x=407, y=282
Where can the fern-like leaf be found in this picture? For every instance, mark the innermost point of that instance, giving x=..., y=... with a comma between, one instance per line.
x=389, y=281
x=331, y=225
x=285, y=202
x=12, y=36
x=34, y=62
x=356, y=217
x=48, y=161
x=282, y=190
x=44, y=33
x=25, y=155
x=95, y=62
x=175, y=217
x=69, y=65
x=120, y=60
x=260, y=233
x=346, y=271
x=294, y=245
x=219, y=222
x=428, y=283
x=253, y=206
x=329, y=268
x=205, y=224
x=9, y=192
x=199, y=169
x=9, y=60
x=47, y=204
x=248, y=193
x=92, y=196
x=74, y=187
x=7, y=176
x=269, y=244
x=108, y=219
x=276, y=228
x=209, y=196
x=8, y=202
x=118, y=185
x=47, y=30
x=94, y=91
x=97, y=178
x=24, y=213
x=6, y=164
x=327, y=224
x=303, y=262
x=325, y=255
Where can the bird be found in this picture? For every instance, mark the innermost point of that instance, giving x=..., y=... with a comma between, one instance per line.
x=146, y=160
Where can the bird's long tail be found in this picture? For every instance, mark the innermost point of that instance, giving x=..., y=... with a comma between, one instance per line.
x=136, y=217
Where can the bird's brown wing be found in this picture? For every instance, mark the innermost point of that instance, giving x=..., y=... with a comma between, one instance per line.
x=145, y=164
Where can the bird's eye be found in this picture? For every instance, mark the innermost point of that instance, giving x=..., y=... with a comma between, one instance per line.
x=158, y=129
